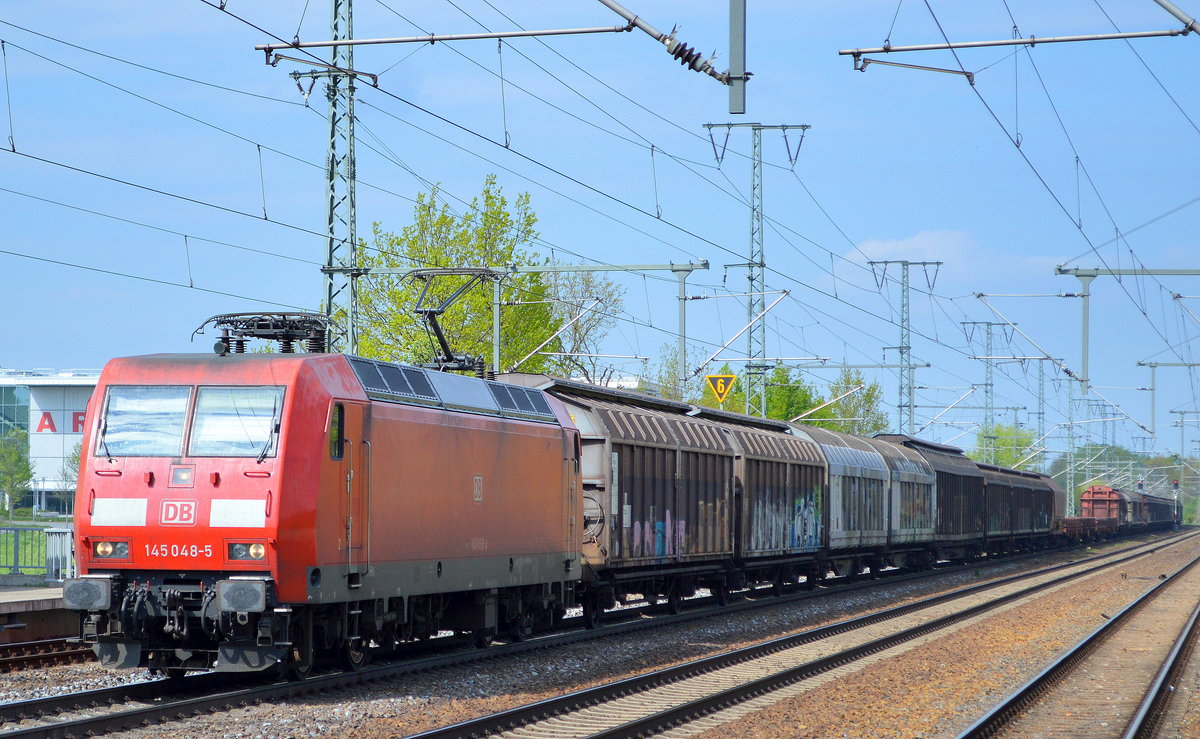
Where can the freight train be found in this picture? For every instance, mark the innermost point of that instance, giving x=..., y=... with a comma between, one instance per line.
x=247, y=511
x=1104, y=511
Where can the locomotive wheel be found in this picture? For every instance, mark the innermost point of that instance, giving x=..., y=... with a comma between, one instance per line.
x=299, y=664
x=522, y=627
x=354, y=655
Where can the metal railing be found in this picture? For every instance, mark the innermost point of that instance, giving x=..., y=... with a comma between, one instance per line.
x=37, y=551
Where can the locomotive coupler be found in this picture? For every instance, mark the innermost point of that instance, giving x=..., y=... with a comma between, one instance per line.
x=177, y=620
x=210, y=622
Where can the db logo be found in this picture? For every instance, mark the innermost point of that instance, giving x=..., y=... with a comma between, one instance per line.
x=178, y=513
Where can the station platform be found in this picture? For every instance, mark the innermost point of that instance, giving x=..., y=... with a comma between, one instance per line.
x=33, y=613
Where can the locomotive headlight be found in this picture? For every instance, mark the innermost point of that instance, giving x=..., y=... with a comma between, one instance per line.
x=247, y=551
x=112, y=549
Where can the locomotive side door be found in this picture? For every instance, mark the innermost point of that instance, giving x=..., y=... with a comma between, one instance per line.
x=356, y=462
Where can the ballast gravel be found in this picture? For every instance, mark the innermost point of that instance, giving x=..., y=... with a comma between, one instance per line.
x=964, y=676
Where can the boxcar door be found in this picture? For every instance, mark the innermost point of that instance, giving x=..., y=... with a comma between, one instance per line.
x=356, y=504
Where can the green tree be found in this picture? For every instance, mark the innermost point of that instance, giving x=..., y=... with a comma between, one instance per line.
x=861, y=409
x=735, y=400
x=788, y=396
x=70, y=476
x=662, y=377
x=1010, y=445
x=70, y=468
x=16, y=472
x=576, y=294
x=491, y=232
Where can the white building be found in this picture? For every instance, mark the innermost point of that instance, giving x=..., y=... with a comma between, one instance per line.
x=48, y=405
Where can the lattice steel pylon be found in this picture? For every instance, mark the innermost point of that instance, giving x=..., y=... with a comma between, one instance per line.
x=756, y=337
x=341, y=238
x=905, y=406
x=988, y=429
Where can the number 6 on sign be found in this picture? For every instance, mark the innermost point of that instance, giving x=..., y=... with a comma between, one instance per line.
x=721, y=385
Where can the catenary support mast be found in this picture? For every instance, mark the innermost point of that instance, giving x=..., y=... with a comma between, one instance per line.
x=340, y=237
x=756, y=337
x=905, y=411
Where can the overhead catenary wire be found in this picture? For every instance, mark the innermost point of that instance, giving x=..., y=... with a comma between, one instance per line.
x=688, y=164
x=161, y=229
x=486, y=138
x=190, y=116
x=954, y=304
x=142, y=278
x=1034, y=169
x=12, y=145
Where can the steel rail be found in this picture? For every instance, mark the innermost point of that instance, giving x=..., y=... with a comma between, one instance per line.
x=41, y=653
x=995, y=720
x=1158, y=697
x=185, y=696
x=523, y=716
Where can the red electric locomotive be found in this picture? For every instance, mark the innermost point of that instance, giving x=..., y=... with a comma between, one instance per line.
x=243, y=511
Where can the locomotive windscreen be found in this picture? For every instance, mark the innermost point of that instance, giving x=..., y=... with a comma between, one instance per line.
x=152, y=421
x=235, y=421
x=143, y=421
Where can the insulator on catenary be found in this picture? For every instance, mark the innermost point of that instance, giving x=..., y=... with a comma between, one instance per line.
x=686, y=55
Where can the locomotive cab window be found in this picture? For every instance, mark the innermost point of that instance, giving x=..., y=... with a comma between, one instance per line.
x=236, y=422
x=337, y=436
x=143, y=421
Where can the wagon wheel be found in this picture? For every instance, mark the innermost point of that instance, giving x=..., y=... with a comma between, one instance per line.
x=674, y=600
x=591, y=612
x=484, y=638
x=778, y=586
x=722, y=593
x=811, y=578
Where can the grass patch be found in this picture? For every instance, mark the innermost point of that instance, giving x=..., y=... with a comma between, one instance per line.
x=24, y=546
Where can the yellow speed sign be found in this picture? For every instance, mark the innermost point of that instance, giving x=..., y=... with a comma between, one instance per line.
x=721, y=385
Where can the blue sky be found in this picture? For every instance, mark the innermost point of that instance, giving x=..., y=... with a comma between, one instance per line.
x=605, y=131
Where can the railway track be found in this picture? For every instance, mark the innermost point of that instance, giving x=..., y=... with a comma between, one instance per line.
x=43, y=653
x=670, y=698
x=123, y=707
x=1116, y=682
